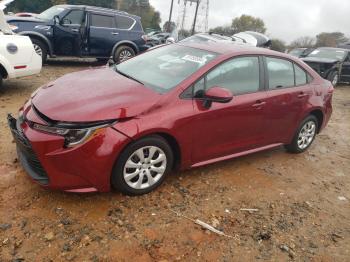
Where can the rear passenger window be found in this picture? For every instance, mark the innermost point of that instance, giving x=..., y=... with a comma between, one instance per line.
x=102, y=21
x=300, y=76
x=124, y=22
x=281, y=73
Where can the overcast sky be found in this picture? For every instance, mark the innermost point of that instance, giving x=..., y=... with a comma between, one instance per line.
x=285, y=19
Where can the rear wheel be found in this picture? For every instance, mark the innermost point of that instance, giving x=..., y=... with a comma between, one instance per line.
x=334, y=78
x=40, y=48
x=123, y=53
x=142, y=166
x=304, y=136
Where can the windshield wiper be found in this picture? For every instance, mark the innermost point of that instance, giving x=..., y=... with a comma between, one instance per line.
x=126, y=75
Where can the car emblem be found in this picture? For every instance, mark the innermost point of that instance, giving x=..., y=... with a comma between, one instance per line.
x=12, y=48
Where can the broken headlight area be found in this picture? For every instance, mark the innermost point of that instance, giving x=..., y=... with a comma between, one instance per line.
x=74, y=134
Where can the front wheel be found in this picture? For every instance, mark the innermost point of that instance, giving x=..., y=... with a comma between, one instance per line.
x=142, y=166
x=304, y=136
x=123, y=53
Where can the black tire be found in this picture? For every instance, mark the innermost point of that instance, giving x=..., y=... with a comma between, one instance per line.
x=294, y=146
x=334, y=78
x=118, y=54
x=39, y=44
x=117, y=178
x=0, y=81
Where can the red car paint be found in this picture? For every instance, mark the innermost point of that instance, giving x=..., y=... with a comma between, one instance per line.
x=199, y=135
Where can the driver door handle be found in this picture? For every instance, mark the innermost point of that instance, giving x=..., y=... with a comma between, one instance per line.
x=75, y=30
x=302, y=94
x=115, y=33
x=259, y=104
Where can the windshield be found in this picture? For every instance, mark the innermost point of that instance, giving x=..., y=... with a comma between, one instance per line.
x=50, y=13
x=297, y=51
x=328, y=53
x=164, y=68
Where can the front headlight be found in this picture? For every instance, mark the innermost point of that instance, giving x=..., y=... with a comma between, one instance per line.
x=73, y=134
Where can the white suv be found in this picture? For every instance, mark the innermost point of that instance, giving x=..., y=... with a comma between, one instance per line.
x=17, y=55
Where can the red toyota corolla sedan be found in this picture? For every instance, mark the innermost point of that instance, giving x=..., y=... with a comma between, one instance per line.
x=174, y=107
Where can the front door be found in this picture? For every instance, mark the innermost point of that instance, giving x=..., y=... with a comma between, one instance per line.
x=68, y=36
x=225, y=129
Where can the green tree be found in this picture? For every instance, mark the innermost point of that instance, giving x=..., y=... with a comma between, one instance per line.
x=278, y=45
x=248, y=23
x=330, y=39
x=305, y=41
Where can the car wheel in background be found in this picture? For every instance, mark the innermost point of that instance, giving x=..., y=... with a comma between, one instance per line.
x=142, y=166
x=334, y=78
x=40, y=48
x=304, y=136
x=123, y=53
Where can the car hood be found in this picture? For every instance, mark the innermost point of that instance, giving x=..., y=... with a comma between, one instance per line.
x=319, y=60
x=93, y=95
x=32, y=19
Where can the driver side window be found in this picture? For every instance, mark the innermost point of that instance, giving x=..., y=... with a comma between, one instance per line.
x=240, y=75
x=75, y=17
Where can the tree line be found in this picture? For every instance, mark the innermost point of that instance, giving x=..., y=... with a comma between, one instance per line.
x=143, y=8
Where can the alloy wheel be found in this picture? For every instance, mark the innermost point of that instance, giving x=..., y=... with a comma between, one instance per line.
x=38, y=49
x=145, y=167
x=306, y=134
x=125, y=55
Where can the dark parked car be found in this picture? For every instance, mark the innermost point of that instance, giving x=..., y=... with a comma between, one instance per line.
x=157, y=39
x=83, y=31
x=301, y=52
x=331, y=63
x=176, y=106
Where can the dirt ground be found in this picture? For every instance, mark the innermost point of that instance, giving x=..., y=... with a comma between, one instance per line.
x=302, y=203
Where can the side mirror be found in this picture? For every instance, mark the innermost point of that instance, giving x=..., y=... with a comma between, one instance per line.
x=56, y=20
x=217, y=94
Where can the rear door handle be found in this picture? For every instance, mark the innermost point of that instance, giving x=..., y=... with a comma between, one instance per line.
x=75, y=30
x=115, y=33
x=259, y=104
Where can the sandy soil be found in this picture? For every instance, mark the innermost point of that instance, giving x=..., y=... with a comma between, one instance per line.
x=302, y=202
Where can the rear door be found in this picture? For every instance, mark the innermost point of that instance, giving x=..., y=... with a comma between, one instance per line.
x=345, y=72
x=103, y=34
x=287, y=95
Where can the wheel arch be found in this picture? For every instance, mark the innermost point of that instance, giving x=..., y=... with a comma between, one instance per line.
x=3, y=71
x=125, y=43
x=318, y=113
x=40, y=37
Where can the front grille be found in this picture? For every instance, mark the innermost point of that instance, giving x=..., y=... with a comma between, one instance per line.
x=26, y=154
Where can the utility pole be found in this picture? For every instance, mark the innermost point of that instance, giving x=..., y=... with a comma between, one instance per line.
x=195, y=18
x=170, y=15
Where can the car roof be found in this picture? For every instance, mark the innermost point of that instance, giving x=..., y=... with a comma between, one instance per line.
x=226, y=48
x=98, y=9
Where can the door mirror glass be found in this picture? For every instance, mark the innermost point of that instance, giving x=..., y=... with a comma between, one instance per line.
x=218, y=94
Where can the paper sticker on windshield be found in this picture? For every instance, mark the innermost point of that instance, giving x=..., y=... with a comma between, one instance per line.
x=194, y=59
